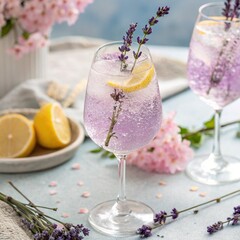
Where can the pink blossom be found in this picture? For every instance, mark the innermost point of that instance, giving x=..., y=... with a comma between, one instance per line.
x=17, y=50
x=2, y=20
x=37, y=17
x=166, y=153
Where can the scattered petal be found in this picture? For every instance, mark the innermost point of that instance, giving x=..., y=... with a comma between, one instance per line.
x=83, y=211
x=76, y=166
x=52, y=184
x=53, y=192
x=202, y=194
x=162, y=183
x=86, y=194
x=80, y=183
x=159, y=195
x=65, y=215
x=193, y=189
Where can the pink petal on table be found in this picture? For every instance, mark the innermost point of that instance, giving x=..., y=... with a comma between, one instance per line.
x=202, y=194
x=162, y=183
x=52, y=184
x=159, y=195
x=83, y=211
x=65, y=215
x=86, y=194
x=76, y=166
x=52, y=192
x=193, y=189
x=80, y=183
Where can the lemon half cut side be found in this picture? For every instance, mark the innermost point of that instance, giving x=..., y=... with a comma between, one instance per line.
x=17, y=136
x=52, y=126
x=141, y=76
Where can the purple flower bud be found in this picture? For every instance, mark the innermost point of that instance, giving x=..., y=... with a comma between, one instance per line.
x=147, y=30
x=122, y=48
x=174, y=213
x=236, y=210
x=163, y=11
x=152, y=21
x=160, y=217
x=139, y=40
x=144, y=231
x=144, y=40
x=121, y=57
x=215, y=227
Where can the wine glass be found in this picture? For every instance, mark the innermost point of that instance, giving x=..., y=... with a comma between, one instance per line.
x=122, y=113
x=214, y=75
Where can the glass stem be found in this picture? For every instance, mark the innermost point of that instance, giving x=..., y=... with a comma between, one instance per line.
x=216, y=146
x=121, y=209
x=122, y=177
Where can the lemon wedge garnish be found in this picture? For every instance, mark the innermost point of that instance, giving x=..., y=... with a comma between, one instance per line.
x=141, y=76
x=52, y=126
x=17, y=136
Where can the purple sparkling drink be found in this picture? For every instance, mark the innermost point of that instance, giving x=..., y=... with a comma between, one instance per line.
x=214, y=62
x=122, y=109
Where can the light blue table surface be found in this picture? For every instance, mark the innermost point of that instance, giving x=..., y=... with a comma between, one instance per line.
x=100, y=179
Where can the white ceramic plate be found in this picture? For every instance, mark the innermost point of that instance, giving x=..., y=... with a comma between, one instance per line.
x=42, y=158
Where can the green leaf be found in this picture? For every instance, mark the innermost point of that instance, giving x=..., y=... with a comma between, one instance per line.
x=7, y=28
x=183, y=130
x=112, y=156
x=97, y=150
x=195, y=140
x=26, y=35
x=210, y=123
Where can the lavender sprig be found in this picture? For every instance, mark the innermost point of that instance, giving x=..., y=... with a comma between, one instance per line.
x=39, y=223
x=147, y=30
x=229, y=12
x=127, y=42
x=117, y=96
x=160, y=218
x=234, y=220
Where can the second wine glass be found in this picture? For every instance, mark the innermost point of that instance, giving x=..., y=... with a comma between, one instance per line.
x=122, y=113
x=214, y=75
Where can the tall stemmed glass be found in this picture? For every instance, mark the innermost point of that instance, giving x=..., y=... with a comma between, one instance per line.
x=122, y=113
x=214, y=75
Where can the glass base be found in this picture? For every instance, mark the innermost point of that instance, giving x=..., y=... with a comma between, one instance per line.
x=106, y=219
x=214, y=170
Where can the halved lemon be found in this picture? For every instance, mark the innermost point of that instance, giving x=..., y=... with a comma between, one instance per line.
x=52, y=126
x=141, y=76
x=17, y=136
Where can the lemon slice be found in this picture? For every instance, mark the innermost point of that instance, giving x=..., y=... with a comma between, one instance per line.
x=52, y=126
x=204, y=26
x=17, y=136
x=142, y=75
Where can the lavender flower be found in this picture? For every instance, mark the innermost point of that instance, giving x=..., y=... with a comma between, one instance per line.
x=127, y=42
x=118, y=97
x=174, y=213
x=215, y=227
x=147, y=30
x=145, y=231
x=39, y=223
x=51, y=232
x=236, y=210
x=219, y=225
x=160, y=217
